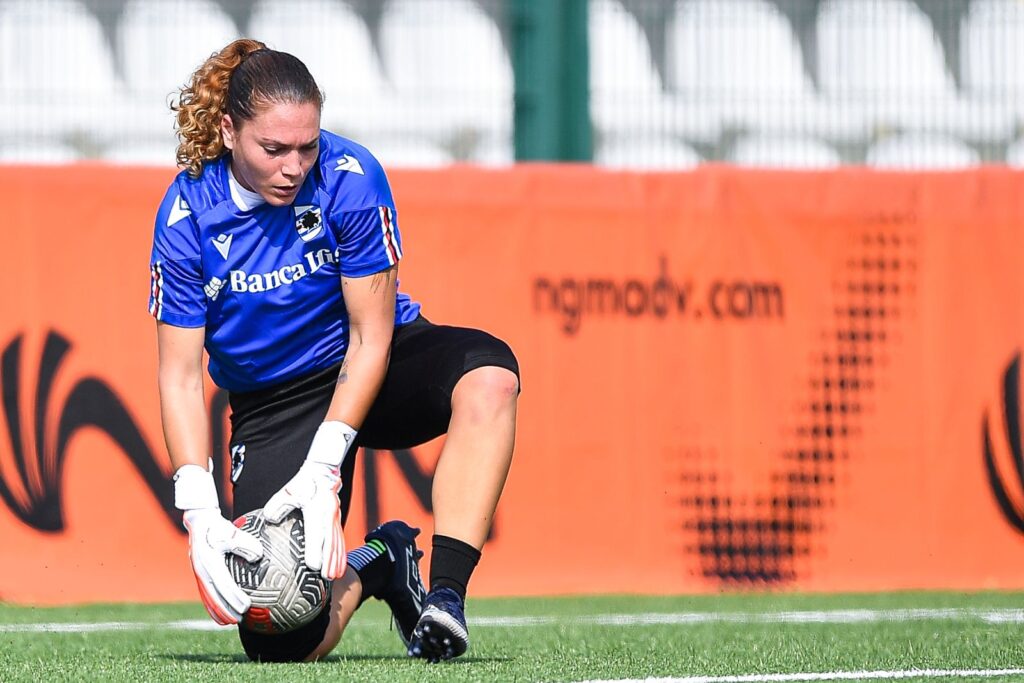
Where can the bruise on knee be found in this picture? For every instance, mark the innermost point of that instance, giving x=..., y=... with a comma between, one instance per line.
x=485, y=392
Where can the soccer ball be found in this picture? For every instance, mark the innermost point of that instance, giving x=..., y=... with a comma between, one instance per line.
x=286, y=594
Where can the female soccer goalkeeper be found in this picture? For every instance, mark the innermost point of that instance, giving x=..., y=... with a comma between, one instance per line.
x=277, y=249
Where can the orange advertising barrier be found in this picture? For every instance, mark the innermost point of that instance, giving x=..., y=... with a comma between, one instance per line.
x=731, y=379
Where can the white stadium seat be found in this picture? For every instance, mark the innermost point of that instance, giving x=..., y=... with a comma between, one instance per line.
x=921, y=151
x=733, y=48
x=626, y=93
x=449, y=67
x=336, y=45
x=743, y=57
x=620, y=56
x=882, y=61
x=646, y=154
x=874, y=49
x=57, y=72
x=992, y=51
x=783, y=152
x=992, y=54
x=159, y=45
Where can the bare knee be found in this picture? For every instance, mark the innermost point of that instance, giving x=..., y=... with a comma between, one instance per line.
x=485, y=393
x=332, y=636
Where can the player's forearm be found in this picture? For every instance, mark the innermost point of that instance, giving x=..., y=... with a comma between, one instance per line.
x=370, y=301
x=185, y=421
x=359, y=381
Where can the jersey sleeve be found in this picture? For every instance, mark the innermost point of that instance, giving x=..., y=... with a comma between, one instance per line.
x=176, y=294
x=368, y=241
x=362, y=214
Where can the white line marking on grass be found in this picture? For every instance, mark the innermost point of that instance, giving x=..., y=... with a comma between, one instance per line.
x=846, y=616
x=829, y=676
x=72, y=628
x=61, y=627
x=857, y=616
x=198, y=625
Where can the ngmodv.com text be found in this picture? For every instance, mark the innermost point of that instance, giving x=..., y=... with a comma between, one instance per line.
x=724, y=298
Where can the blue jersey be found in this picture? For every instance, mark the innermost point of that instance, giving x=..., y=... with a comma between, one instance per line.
x=265, y=281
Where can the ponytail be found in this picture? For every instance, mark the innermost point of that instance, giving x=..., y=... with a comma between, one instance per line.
x=201, y=106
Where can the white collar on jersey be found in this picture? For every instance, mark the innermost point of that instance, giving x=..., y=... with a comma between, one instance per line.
x=245, y=200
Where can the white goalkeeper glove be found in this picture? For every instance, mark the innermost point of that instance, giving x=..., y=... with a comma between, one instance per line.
x=210, y=538
x=314, y=490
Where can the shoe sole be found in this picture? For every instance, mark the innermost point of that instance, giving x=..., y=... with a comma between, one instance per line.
x=440, y=636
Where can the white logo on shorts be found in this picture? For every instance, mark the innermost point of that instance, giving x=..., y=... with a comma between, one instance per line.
x=237, y=461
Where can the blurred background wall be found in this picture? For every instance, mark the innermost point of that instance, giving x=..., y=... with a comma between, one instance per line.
x=802, y=380
x=643, y=84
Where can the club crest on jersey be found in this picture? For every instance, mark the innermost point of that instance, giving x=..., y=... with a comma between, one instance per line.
x=308, y=222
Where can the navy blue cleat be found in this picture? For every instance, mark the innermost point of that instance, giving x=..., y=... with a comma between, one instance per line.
x=404, y=593
x=441, y=632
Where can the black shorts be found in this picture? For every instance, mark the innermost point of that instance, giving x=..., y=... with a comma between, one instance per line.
x=272, y=429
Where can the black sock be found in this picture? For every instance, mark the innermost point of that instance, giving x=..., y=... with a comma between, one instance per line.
x=373, y=565
x=452, y=563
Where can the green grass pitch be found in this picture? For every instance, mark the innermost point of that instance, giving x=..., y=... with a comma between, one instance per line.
x=553, y=639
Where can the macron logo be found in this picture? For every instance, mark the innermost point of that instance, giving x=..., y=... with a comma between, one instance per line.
x=223, y=244
x=179, y=209
x=349, y=163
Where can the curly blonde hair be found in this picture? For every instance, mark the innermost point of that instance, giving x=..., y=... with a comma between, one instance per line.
x=234, y=81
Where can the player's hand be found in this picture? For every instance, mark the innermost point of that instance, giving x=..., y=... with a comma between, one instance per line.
x=314, y=491
x=210, y=538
